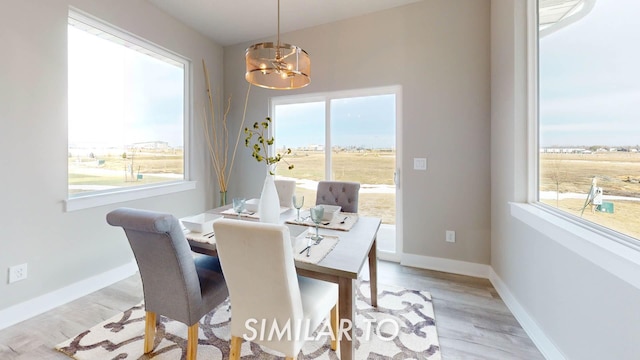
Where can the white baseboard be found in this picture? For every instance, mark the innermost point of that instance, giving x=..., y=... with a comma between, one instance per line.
x=446, y=265
x=36, y=306
x=388, y=256
x=542, y=342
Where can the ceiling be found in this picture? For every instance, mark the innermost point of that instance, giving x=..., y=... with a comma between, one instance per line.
x=230, y=22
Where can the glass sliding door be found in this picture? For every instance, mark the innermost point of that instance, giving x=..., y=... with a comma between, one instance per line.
x=345, y=137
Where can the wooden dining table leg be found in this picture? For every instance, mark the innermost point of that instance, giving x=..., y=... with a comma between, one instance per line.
x=346, y=301
x=373, y=273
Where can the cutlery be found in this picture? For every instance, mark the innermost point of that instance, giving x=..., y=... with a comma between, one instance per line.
x=212, y=235
x=343, y=220
x=209, y=233
x=326, y=223
x=308, y=248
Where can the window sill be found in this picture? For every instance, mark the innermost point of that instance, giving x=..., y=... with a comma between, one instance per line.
x=609, y=254
x=95, y=200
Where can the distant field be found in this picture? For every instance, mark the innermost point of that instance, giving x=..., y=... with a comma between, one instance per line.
x=372, y=168
x=617, y=173
x=368, y=168
x=112, y=170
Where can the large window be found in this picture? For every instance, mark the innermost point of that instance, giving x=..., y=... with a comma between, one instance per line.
x=589, y=111
x=343, y=137
x=127, y=110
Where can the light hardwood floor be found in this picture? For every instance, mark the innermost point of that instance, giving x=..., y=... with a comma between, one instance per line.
x=472, y=321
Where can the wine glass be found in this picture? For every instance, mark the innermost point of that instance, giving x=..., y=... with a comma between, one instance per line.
x=238, y=205
x=316, y=216
x=298, y=201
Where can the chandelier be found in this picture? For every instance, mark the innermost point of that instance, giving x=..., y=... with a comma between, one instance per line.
x=277, y=66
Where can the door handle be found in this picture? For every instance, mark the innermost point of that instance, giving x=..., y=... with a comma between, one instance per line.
x=396, y=178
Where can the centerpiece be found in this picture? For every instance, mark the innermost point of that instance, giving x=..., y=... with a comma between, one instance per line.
x=258, y=139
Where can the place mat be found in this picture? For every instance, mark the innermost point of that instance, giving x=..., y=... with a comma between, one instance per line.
x=207, y=238
x=317, y=252
x=230, y=213
x=335, y=224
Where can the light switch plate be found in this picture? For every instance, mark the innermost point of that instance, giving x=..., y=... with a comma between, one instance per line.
x=419, y=163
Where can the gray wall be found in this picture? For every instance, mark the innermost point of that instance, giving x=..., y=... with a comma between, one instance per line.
x=63, y=248
x=438, y=52
x=581, y=308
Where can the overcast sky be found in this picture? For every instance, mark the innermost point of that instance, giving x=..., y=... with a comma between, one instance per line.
x=118, y=96
x=590, y=78
x=362, y=122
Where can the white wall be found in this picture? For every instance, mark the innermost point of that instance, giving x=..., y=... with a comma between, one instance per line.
x=438, y=52
x=581, y=310
x=63, y=248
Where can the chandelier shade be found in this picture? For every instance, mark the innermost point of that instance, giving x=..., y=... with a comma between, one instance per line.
x=276, y=65
x=281, y=67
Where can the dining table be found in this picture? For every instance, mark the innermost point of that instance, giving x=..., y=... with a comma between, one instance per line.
x=341, y=265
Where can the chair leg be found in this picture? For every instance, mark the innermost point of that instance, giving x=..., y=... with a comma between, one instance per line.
x=149, y=331
x=234, y=352
x=335, y=320
x=192, y=342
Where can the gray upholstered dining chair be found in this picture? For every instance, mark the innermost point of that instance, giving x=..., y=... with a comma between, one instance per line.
x=175, y=284
x=264, y=290
x=341, y=193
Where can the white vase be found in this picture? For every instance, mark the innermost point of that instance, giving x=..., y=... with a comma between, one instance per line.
x=269, y=208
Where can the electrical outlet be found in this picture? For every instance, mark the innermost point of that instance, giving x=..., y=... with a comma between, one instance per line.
x=17, y=273
x=450, y=236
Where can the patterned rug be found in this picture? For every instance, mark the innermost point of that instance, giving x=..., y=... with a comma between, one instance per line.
x=402, y=327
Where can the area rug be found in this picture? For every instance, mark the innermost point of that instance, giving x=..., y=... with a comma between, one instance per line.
x=401, y=327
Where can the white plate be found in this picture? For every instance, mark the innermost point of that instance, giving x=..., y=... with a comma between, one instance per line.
x=330, y=211
x=202, y=223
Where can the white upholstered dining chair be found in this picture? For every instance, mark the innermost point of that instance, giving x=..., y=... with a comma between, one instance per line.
x=257, y=261
x=175, y=284
x=286, y=189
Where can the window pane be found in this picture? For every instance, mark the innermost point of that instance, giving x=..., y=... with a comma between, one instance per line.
x=363, y=150
x=589, y=115
x=126, y=113
x=301, y=127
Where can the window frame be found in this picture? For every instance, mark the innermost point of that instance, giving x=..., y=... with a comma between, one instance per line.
x=327, y=97
x=612, y=251
x=106, y=197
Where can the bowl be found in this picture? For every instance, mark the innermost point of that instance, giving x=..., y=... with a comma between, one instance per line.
x=251, y=205
x=201, y=223
x=330, y=211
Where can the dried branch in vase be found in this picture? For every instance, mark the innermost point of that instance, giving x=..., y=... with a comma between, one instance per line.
x=216, y=131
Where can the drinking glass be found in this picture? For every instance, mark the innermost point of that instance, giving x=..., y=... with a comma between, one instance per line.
x=298, y=201
x=238, y=205
x=316, y=216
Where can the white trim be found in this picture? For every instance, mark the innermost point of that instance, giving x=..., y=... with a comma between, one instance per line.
x=94, y=200
x=446, y=265
x=532, y=99
x=528, y=323
x=613, y=256
x=388, y=256
x=400, y=170
x=41, y=304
